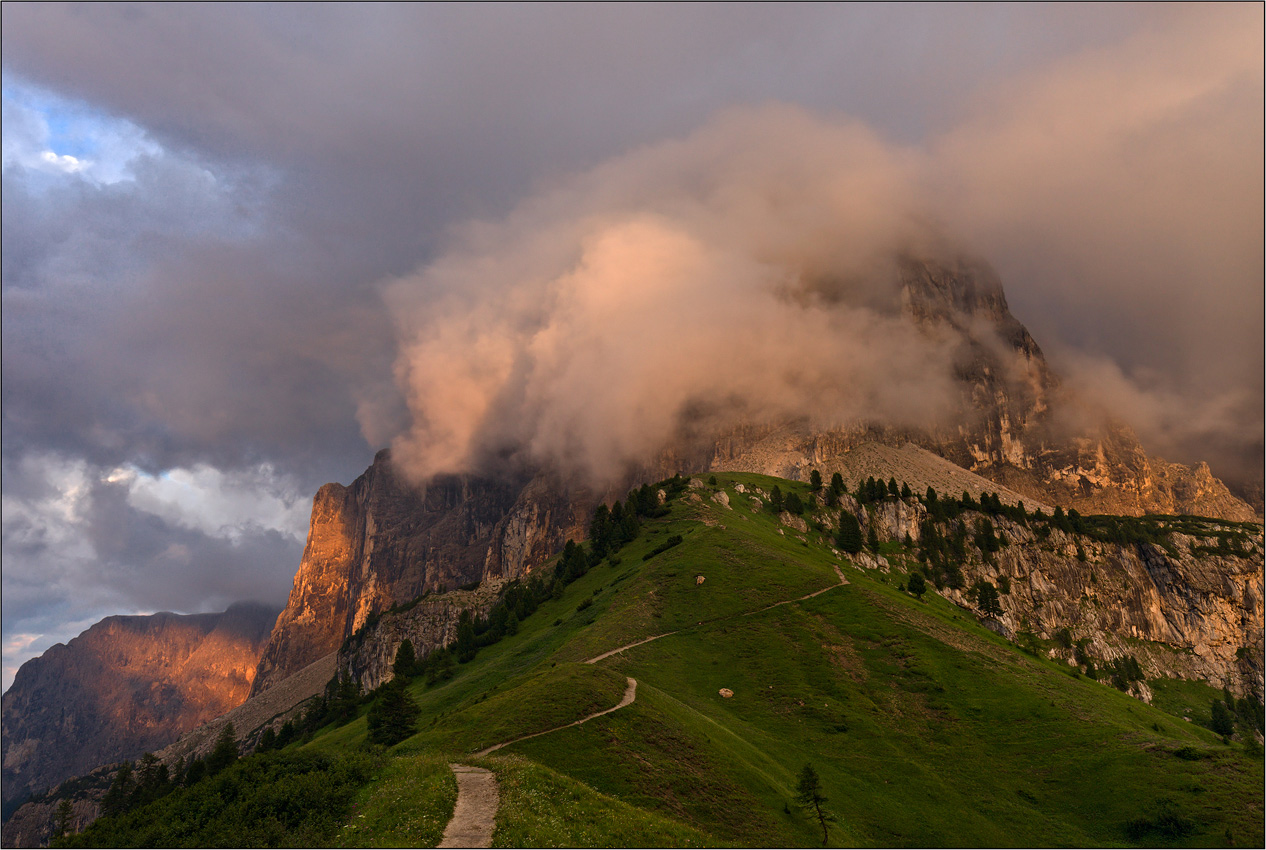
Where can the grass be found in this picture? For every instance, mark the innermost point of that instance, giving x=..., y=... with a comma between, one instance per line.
x=540, y=807
x=925, y=727
x=407, y=804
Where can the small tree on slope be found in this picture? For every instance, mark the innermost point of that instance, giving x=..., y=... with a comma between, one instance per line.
x=809, y=796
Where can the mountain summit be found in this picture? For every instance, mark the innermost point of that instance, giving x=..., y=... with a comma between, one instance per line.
x=384, y=541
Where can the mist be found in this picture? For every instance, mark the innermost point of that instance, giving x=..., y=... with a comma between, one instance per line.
x=746, y=269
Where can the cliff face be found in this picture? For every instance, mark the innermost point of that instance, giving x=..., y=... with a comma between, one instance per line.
x=125, y=686
x=430, y=624
x=1187, y=613
x=383, y=542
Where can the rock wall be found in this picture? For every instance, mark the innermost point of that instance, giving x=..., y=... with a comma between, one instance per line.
x=384, y=542
x=1015, y=423
x=1192, y=614
x=430, y=624
x=125, y=686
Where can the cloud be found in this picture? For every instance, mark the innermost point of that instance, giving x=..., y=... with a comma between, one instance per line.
x=81, y=543
x=1122, y=187
x=747, y=266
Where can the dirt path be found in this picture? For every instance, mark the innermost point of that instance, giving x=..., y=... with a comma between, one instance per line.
x=475, y=814
x=597, y=658
x=630, y=694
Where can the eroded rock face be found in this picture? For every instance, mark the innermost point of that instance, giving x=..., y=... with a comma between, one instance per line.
x=1191, y=614
x=1013, y=423
x=383, y=542
x=430, y=624
x=126, y=686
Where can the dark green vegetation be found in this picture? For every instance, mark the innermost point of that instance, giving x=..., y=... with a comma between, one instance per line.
x=922, y=727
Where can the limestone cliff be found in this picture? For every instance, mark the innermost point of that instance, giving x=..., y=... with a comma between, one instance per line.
x=125, y=686
x=431, y=623
x=383, y=542
x=1188, y=612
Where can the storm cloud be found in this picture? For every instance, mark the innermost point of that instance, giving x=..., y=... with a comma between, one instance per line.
x=243, y=244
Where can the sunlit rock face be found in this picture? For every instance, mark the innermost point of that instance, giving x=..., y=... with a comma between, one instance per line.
x=384, y=541
x=126, y=686
x=1183, y=613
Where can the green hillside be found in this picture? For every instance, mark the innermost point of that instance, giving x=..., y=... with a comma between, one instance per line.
x=925, y=728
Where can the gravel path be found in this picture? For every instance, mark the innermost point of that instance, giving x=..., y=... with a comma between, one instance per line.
x=475, y=814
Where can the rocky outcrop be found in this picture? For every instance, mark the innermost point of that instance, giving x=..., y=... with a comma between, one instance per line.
x=1189, y=612
x=33, y=824
x=384, y=542
x=431, y=623
x=125, y=686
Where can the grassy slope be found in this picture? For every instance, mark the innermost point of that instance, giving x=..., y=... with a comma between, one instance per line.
x=925, y=728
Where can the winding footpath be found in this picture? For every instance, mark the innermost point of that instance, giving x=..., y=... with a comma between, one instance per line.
x=478, y=795
x=475, y=814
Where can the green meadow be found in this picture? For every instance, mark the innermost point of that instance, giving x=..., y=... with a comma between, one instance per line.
x=925, y=728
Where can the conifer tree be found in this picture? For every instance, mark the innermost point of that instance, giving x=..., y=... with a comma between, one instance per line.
x=849, y=538
x=225, y=751
x=406, y=662
x=809, y=796
x=815, y=480
x=393, y=716
x=65, y=814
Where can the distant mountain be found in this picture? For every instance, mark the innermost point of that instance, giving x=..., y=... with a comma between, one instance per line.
x=125, y=686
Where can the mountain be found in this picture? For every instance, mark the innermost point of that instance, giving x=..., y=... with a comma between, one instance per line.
x=673, y=692
x=384, y=541
x=125, y=686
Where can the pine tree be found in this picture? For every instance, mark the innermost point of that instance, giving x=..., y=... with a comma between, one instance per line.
x=917, y=585
x=849, y=538
x=809, y=796
x=116, y=800
x=905, y=491
x=775, y=500
x=393, y=716
x=406, y=662
x=815, y=480
x=1223, y=722
x=64, y=820
x=872, y=540
x=837, y=484
x=225, y=751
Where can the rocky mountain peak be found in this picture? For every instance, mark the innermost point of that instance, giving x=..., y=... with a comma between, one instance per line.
x=126, y=685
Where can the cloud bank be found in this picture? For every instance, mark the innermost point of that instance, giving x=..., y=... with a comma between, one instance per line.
x=747, y=267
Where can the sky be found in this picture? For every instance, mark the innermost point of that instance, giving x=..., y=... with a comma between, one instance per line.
x=246, y=246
